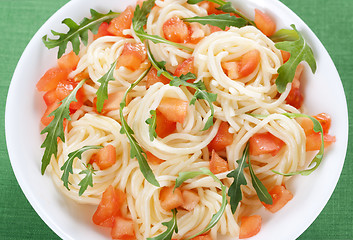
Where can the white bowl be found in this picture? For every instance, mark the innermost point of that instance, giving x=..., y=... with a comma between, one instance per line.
x=324, y=93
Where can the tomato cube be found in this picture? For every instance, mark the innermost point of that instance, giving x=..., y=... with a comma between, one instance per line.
x=122, y=22
x=222, y=139
x=170, y=199
x=174, y=109
x=280, y=197
x=218, y=164
x=250, y=226
x=102, y=31
x=123, y=229
x=68, y=61
x=176, y=30
x=265, y=23
x=190, y=198
x=105, y=157
x=164, y=127
x=132, y=56
x=264, y=143
x=153, y=78
x=51, y=78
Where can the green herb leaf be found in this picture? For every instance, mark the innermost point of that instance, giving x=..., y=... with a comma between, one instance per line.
x=183, y=176
x=234, y=191
x=285, y=35
x=299, y=51
x=200, y=93
x=87, y=180
x=318, y=157
x=135, y=148
x=55, y=128
x=102, y=92
x=171, y=228
x=139, y=21
x=152, y=125
x=77, y=32
x=222, y=20
x=260, y=189
x=67, y=166
x=225, y=7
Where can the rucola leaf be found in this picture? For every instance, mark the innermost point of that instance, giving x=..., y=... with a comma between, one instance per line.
x=87, y=180
x=102, y=92
x=222, y=20
x=299, y=51
x=234, y=191
x=55, y=128
x=67, y=166
x=77, y=32
x=152, y=125
x=172, y=227
x=285, y=35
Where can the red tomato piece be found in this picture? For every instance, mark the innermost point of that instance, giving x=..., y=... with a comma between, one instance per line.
x=105, y=157
x=174, y=109
x=264, y=143
x=68, y=61
x=123, y=229
x=218, y=164
x=211, y=7
x=280, y=196
x=164, y=127
x=112, y=103
x=202, y=237
x=176, y=30
x=45, y=119
x=325, y=121
x=122, y=22
x=231, y=69
x=313, y=141
x=51, y=78
x=185, y=67
x=170, y=199
x=295, y=96
x=285, y=56
x=50, y=97
x=190, y=198
x=102, y=31
x=222, y=139
x=153, y=78
x=265, y=23
x=250, y=226
x=109, y=207
x=64, y=88
x=248, y=63
x=153, y=159
x=132, y=56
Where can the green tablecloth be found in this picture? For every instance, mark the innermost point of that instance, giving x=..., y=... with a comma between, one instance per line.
x=332, y=22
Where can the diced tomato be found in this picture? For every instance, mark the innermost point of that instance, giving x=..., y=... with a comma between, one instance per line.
x=132, y=56
x=176, y=30
x=105, y=157
x=190, y=198
x=153, y=159
x=231, y=69
x=196, y=33
x=313, y=141
x=222, y=139
x=64, y=88
x=211, y=7
x=248, y=63
x=285, y=56
x=202, y=237
x=185, y=67
x=295, y=96
x=169, y=199
x=265, y=23
x=218, y=164
x=280, y=197
x=264, y=143
x=112, y=103
x=215, y=29
x=50, y=97
x=325, y=121
x=122, y=22
x=153, y=78
x=109, y=207
x=51, y=78
x=102, y=31
x=68, y=61
x=123, y=229
x=174, y=109
x=164, y=127
x=250, y=226
x=45, y=119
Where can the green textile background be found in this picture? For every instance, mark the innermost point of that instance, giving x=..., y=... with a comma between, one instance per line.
x=332, y=22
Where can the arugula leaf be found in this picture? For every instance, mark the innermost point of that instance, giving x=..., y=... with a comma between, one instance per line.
x=135, y=148
x=77, y=32
x=300, y=51
x=318, y=157
x=200, y=93
x=55, y=128
x=234, y=191
x=183, y=176
x=285, y=35
x=87, y=180
x=139, y=21
x=102, y=92
x=171, y=228
x=226, y=7
x=67, y=166
x=260, y=189
x=152, y=125
x=222, y=20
